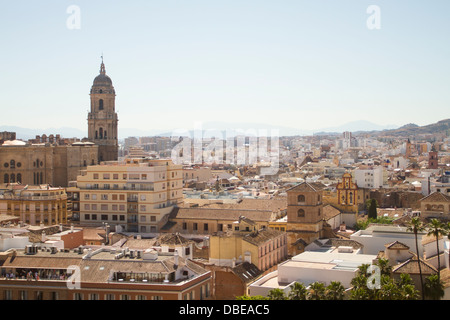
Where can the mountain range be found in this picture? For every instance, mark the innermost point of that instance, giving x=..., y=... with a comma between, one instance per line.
x=218, y=129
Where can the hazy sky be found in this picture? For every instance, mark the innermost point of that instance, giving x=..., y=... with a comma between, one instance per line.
x=293, y=63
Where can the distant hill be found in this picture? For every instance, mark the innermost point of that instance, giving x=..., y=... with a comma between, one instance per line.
x=411, y=130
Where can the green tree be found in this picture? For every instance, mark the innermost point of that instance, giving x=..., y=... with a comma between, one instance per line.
x=436, y=228
x=245, y=297
x=384, y=266
x=298, y=292
x=434, y=288
x=416, y=226
x=316, y=291
x=372, y=208
x=334, y=291
x=276, y=294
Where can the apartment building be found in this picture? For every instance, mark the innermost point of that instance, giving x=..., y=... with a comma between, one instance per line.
x=133, y=195
x=102, y=274
x=34, y=205
x=369, y=177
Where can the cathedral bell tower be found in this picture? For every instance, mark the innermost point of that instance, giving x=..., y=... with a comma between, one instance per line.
x=102, y=119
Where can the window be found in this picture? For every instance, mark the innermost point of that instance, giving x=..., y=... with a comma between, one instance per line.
x=114, y=196
x=100, y=104
x=114, y=217
x=300, y=198
x=95, y=176
x=78, y=296
x=205, y=227
x=104, y=197
x=93, y=296
x=300, y=213
x=194, y=227
x=184, y=226
x=125, y=297
x=104, y=217
x=23, y=295
x=115, y=176
x=94, y=206
x=94, y=217
x=143, y=208
x=114, y=207
x=106, y=176
x=87, y=217
x=104, y=207
x=110, y=296
x=122, y=217
x=7, y=294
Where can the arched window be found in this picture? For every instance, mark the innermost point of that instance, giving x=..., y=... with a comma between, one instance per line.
x=300, y=213
x=6, y=178
x=19, y=178
x=13, y=178
x=100, y=104
x=101, y=133
x=12, y=164
x=104, y=135
x=300, y=198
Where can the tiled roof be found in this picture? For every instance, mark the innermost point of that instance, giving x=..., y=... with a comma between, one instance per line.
x=262, y=236
x=436, y=197
x=397, y=245
x=330, y=212
x=412, y=267
x=307, y=186
x=247, y=272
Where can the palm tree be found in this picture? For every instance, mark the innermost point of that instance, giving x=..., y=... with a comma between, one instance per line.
x=334, y=291
x=416, y=226
x=434, y=287
x=385, y=268
x=436, y=228
x=316, y=291
x=276, y=294
x=298, y=292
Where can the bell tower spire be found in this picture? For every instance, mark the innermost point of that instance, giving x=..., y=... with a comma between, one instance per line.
x=102, y=67
x=103, y=120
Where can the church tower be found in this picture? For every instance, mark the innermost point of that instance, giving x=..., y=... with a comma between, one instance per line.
x=102, y=119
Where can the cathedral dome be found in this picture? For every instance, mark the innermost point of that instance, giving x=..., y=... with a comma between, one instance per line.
x=102, y=80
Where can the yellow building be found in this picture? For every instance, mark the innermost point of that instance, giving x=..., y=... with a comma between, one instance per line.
x=264, y=248
x=134, y=194
x=34, y=205
x=347, y=197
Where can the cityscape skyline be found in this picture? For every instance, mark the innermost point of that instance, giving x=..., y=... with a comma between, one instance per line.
x=303, y=65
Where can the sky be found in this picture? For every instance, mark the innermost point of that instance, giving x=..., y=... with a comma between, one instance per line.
x=303, y=64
